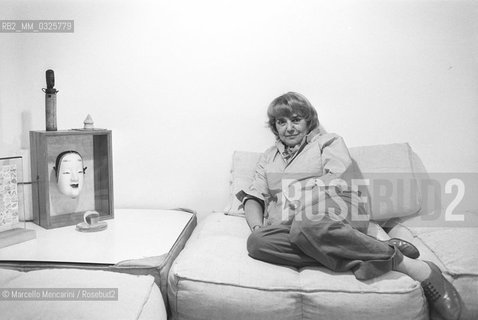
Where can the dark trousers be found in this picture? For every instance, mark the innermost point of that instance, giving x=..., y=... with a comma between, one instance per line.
x=324, y=240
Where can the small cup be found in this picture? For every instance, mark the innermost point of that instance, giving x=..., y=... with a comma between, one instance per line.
x=91, y=217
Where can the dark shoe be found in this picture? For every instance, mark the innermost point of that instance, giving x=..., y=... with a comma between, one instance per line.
x=441, y=295
x=405, y=247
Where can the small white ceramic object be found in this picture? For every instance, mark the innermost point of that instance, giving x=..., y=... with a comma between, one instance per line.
x=88, y=123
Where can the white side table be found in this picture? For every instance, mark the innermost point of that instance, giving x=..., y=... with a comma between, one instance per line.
x=137, y=241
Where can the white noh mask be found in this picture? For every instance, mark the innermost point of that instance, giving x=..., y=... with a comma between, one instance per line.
x=70, y=174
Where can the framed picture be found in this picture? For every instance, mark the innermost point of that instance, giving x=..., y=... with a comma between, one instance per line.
x=71, y=173
x=11, y=202
x=12, y=222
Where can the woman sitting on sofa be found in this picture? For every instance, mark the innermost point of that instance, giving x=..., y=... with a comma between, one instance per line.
x=324, y=222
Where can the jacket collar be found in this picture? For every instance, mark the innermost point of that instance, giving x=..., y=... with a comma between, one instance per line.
x=307, y=139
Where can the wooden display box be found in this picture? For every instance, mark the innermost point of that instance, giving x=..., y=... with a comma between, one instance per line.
x=72, y=172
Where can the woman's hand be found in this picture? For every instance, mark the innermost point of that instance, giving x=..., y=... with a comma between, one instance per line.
x=256, y=227
x=292, y=207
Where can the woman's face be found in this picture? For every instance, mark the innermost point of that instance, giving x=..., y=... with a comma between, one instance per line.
x=70, y=175
x=291, y=129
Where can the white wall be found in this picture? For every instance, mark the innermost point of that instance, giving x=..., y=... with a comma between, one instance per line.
x=184, y=83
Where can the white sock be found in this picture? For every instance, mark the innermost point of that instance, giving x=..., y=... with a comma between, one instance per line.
x=416, y=269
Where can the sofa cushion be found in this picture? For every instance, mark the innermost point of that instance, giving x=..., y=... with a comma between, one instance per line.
x=242, y=172
x=214, y=278
x=138, y=297
x=453, y=250
x=393, y=190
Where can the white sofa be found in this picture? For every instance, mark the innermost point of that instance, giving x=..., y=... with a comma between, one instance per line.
x=214, y=278
x=138, y=297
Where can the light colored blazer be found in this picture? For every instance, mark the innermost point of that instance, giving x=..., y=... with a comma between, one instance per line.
x=322, y=158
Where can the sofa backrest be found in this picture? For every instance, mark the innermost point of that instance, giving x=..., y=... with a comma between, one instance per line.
x=390, y=169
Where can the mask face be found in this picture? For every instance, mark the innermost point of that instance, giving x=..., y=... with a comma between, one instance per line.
x=71, y=175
